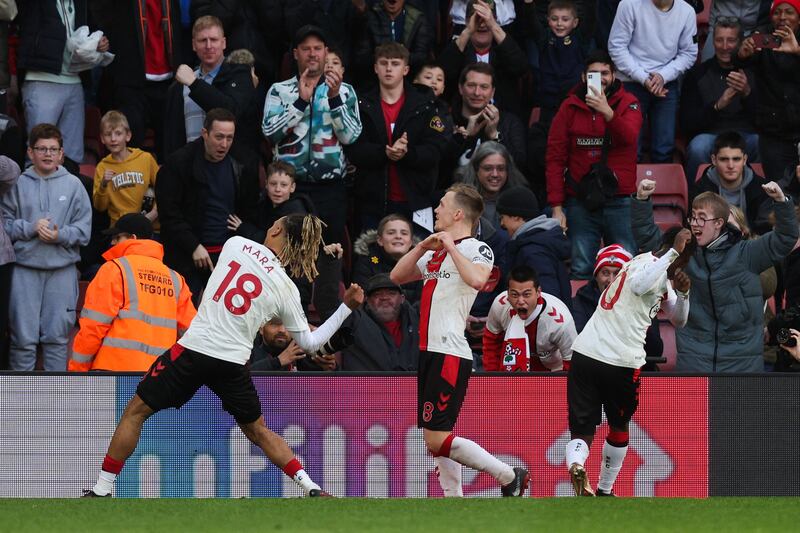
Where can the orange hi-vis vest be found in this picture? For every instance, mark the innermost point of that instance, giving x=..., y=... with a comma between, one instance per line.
x=135, y=309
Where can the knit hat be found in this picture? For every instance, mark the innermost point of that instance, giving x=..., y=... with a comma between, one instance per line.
x=794, y=3
x=518, y=202
x=613, y=256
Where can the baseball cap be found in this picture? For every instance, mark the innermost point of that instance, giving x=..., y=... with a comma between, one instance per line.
x=306, y=31
x=382, y=281
x=134, y=224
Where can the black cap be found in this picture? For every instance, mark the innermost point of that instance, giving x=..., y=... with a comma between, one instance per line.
x=134, y=224
x=306, y=31
x=382, y=281
x=519, y=202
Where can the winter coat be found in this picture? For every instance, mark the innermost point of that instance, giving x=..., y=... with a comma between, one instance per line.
x=416, y=37
x=268, y=214
x=576, y=139
x=540, y=243
x=374, y=350
x=181, y=189
x=43, y=35
x=724, y=332
x=232, y=89
x=418, y=170
x=369, y=260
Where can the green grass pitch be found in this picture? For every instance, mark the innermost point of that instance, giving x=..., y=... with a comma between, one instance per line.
x=621, y=515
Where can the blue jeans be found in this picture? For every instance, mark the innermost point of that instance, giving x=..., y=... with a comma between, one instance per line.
x=611, y=224
x=661, y=115
x=701, y=146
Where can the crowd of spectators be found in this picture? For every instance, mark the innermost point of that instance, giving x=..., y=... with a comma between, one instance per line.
x=217, y=118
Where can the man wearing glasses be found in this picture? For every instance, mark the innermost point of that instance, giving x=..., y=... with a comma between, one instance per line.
x=48, y=217
x=724, y=329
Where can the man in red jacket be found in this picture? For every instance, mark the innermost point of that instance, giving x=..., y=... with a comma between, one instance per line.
x=585, y=122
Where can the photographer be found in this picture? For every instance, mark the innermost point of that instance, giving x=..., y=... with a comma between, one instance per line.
x=790, y=344
x=782, y=334
x=274, y=350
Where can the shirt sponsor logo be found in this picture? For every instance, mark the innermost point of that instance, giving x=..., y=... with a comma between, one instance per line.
x=589, y=141
x=436, y=275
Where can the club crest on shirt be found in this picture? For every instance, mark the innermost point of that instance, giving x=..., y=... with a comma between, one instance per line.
x=436, y=124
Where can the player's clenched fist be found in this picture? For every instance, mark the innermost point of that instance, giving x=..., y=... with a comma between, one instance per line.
x=646, y=189
x=354, y=296
x=681, y=239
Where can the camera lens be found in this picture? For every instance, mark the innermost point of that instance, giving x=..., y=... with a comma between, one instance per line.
x=784, y=336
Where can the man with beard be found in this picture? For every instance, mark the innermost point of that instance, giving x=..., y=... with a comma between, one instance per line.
x=527, y=330
x=276, y=350
x=385, y=330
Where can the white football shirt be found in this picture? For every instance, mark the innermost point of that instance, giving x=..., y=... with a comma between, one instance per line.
x=615, y=332
x=247, y=288
x=447, y=299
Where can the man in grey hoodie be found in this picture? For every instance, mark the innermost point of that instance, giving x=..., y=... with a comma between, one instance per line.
x=48, y=216
x=730, y=177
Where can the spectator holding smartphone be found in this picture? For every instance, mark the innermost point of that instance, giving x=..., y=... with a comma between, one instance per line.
x=777, y=84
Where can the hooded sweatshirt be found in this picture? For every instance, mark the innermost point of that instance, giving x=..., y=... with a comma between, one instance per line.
x=59, y=197
x=125, y=192
x=541, y=244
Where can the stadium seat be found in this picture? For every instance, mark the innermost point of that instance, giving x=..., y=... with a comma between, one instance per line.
x=670, y=350
x=576, y=284
x=536, y=114
x=91, y=134
x=87, y=170
x=671, y=197
x=758, y=168
x=700, y=170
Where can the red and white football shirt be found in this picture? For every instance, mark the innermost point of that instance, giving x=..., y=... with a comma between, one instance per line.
x=247, y=288
x=447, y=299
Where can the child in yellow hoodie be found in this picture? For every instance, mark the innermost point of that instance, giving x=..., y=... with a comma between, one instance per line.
x=125, y=179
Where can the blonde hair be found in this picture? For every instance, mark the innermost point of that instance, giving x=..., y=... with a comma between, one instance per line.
x=718, y=206
x=114, y=119
x=301, y=248
x=469, y=200
x=205, y=22
x=242, y=56
x=741, y=221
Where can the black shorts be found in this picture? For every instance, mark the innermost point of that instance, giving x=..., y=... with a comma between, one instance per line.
x=177, y=374
x=593, y=385
x=441, y=387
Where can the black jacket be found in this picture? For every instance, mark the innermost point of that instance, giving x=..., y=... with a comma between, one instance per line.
x=702, y=87
x=509, y=62
x=231, y=89
x=268, y=214
x=340, y=22
x=43, y=35
x=510, y=129
x=374, y=348
x=124, y=25
x=777, y=81
x=181, y=189
x=418, y=170
x=417, y=38
x=256, y=25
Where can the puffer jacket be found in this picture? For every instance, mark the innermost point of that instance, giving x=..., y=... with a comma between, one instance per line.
x=724, y=332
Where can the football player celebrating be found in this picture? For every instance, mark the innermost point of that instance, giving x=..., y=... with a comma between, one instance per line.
x=248, y=288
x=454, y=267
x=527, y=329
x=609, y=352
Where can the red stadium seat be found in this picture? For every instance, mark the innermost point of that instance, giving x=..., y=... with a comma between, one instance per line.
x=576, y=284
x=758, y=168
x=536, y=114
x=670, y=351
x=88, y=170
x=700, y=170
x=671, y=197
x=91, y=134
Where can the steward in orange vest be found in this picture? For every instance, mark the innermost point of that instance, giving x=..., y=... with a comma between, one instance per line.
x=136, y=307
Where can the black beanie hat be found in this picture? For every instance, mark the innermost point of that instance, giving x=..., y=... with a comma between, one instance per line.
x=518, y=201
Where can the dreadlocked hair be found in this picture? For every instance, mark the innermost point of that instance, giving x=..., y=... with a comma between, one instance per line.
x=303, y=241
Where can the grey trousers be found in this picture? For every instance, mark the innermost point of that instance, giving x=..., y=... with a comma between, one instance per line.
x=42, y=311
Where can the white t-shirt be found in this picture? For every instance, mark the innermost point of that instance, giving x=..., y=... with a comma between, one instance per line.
x=447, y=299
x=616, y=331
x=247, y=288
